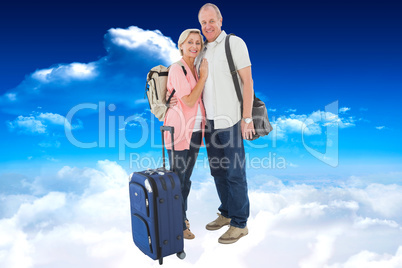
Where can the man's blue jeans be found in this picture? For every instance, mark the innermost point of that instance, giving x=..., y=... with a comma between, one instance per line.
x=227, y=162
x=184, y=165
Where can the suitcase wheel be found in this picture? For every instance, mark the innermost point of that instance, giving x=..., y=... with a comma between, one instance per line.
x=181, y=255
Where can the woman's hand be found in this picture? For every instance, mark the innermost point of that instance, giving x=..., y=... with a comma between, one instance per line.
x=204, y=69
x=190, y=101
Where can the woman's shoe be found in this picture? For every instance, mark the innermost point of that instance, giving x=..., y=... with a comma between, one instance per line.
x=187, y=234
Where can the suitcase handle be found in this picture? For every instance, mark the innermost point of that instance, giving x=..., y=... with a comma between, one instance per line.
x=171, y=130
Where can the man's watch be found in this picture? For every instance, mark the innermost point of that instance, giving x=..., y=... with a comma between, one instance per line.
x=248, y=120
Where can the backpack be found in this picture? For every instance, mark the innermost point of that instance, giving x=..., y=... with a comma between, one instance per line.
x=156, y=87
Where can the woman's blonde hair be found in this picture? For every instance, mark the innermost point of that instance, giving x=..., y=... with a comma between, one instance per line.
x=184, y=35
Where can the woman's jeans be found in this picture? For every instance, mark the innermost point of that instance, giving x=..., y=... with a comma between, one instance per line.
x=183, y=167
x=227, y=161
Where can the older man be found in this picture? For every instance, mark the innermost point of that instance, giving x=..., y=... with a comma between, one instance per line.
x=227, y=124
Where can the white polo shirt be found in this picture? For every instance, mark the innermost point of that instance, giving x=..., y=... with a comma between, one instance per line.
x=219, y=95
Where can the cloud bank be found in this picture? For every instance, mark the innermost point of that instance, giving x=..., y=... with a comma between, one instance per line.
x=39, y=123
x=309, y=124
x=80, y=217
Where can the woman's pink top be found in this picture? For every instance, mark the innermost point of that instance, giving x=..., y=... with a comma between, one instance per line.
x=181, y=116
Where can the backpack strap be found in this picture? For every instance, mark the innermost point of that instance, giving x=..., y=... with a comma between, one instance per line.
x=174, y=90
x=182, y=66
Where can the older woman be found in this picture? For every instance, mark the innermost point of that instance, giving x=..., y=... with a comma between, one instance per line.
x=188, y=115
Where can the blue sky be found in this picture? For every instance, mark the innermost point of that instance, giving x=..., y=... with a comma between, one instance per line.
x=72, y=111
x=304, y=55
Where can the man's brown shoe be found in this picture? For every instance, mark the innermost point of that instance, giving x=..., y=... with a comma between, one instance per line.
x=218, y=223
x=232, y=235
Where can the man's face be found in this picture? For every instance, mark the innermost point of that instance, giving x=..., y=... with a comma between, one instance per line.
x=210, y=24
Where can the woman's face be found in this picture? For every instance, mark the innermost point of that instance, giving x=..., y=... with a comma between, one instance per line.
x=191, y=46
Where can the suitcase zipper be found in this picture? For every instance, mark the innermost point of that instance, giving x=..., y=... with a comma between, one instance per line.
x=147, y=227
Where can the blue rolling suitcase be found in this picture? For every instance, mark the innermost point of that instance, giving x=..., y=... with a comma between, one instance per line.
x=156, y=210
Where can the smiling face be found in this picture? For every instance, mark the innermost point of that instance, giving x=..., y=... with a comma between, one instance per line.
x=210, y=23
x=191, y=47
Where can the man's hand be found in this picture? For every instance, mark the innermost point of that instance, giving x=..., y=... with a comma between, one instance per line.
x=173, y=100
x=247, y=130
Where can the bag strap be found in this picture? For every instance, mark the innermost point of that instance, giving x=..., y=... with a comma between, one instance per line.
x=232, y=68
x=233, y=71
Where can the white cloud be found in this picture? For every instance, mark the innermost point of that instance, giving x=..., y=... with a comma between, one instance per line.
x=141, y=101
x=321, y=251
x=328, y=227
x=344, y=110
x=296, y=124
x=379, y=198
x=292, y=165
x=136, y=120
x=81, y=70
x=64, y=73
x=380, y=127
x=42, y=75
x=155, y=42
x=39, y=123
x=115, y=77
x=308, y=124
x=386, y=179
x=328, y=118
x=290, y=110
x=368, y=259
x=368, y=222
x=49, y=144
x=40, y=209
x=52, y=118
x=27, y=124
x=11, y=96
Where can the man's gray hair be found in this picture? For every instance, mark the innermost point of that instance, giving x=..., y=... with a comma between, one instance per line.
x=218, y=12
